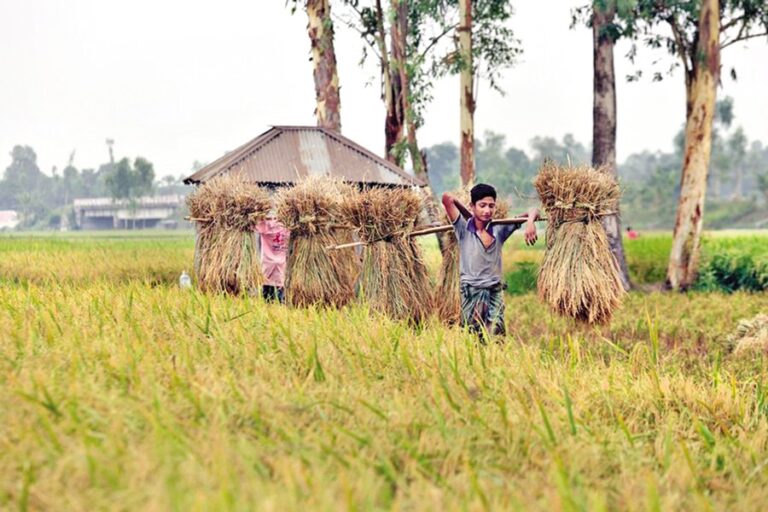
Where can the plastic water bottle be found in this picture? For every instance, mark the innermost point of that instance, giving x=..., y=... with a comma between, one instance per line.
x=184, y=280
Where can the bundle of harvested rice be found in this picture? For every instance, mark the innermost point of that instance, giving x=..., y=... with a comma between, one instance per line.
x=750, y=337
x=226, y=210
x=447, y=294
x=394, y=279
x=579, y=276
x=312, y=211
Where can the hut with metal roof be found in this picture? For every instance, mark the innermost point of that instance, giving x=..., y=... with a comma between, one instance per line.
x=284, y=155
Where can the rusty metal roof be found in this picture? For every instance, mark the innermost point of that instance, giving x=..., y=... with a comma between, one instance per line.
x=285, y=154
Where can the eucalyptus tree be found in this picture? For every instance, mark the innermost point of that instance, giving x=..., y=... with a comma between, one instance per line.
x=695, y=32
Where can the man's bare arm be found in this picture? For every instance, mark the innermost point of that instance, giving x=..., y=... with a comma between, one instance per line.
x=454, y=207
x=533, y=213
x=530, y=227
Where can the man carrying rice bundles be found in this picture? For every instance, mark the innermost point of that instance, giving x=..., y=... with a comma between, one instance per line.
x=480, y=243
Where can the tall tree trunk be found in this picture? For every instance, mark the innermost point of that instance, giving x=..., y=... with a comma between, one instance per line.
x=418, y=158
x=738, y=186
x=466, y=92
x=701, y=91
x=716, y=185
x=393, y=121
x=400, y=43
x=394, y=129
x=320, y=29
x=604, y=120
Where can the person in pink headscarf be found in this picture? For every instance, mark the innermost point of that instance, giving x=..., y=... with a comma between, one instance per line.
x=274, y=250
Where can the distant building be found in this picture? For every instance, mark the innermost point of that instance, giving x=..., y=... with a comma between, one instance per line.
x=9, y=219
x=285, y=154
x=139, y=213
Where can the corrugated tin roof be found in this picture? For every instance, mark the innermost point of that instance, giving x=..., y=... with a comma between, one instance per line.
x=285, y=154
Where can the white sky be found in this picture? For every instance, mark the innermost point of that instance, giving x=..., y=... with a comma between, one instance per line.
x=183, y=80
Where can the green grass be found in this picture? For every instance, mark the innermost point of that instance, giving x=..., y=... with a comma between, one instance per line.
x=120, y=392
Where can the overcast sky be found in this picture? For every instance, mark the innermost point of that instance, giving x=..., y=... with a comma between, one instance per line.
x=182, y=80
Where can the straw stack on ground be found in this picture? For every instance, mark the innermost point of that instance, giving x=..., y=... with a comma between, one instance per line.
x=394, y=278
x=225, y=211
x=312, y=211
x=447, y=297
x=579, y=276
x=750, y=339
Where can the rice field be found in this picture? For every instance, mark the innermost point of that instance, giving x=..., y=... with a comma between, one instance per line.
x=119, y=391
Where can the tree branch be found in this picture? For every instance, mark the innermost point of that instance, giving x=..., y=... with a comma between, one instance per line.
x=682, y=48
x=733, y=22
x=352, y=25
x=744, y=38
x=435, y=40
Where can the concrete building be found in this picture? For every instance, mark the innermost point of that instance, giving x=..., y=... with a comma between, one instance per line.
x=139, y=213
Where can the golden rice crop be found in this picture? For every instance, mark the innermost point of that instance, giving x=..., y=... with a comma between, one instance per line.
x=579, y=276
x=120, y=393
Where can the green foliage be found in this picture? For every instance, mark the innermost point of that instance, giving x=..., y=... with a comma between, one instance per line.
x=731, y=264
x=647, y=258
x=732, y=271
x=650, y=180
x=673, y=27
x=443, y=164
x=727, y=213
x=568, y=150
x=762, y=184
x=25, y=188
x=126, y=181
x=509, y=169
x=41, y=198
x=494, y=44
x=430, y=41
x=522, y=278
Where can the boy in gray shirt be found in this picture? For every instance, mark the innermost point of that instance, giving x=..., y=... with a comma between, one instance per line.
x=480, y=243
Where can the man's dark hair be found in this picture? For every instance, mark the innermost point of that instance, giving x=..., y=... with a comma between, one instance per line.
x=480, y=191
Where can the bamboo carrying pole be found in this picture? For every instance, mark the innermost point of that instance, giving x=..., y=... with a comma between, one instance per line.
x=436, y=229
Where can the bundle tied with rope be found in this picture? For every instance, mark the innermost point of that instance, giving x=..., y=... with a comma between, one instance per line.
x=311, y=210
x=394, y=278
x=225, y=211
x=447, y=294
x=579, y=276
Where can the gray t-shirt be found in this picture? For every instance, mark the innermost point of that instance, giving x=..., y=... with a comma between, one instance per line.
x=480, y=266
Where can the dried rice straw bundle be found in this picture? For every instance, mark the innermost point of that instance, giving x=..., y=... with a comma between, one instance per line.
x=226, y=210
x=750, y=338
x=312, y=211
x=579, y=276
x=447, y=295
x=394, y=278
